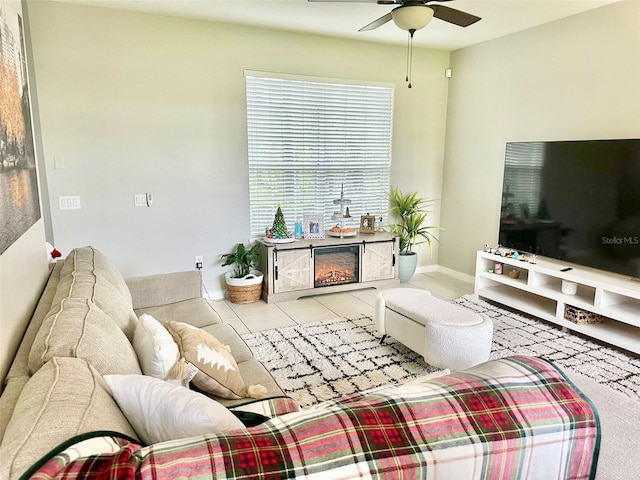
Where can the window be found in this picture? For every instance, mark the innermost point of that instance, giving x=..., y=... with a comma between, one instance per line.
x=307, y=138
x=522, y=179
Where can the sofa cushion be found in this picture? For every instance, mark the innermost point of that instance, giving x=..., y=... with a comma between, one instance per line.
x=195, y=311
x=66, y=397
x=90, y=260
x=164, y=288
x=227, y=335
x=12, y=388
x=218, y=372
x=160, y=411
x=88, y=286
x=156, y=350
x=78, y=328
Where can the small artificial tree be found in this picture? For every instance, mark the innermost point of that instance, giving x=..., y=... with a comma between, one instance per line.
x=279, y=228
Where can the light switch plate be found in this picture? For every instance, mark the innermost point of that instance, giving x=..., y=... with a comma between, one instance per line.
x=69, y=202
x=140, y=200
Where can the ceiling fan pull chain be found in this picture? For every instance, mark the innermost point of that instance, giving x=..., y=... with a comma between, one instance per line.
x=410, y=56
x=408, y=45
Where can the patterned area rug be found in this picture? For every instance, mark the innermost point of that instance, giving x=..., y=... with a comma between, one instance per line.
x=518, y=334
x=321, y=361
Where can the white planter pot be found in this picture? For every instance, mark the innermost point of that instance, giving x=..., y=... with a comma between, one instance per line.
x=407, y=264
x=254, y=278
x=246, y=289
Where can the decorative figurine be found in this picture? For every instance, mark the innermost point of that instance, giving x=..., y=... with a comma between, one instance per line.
x=486, y=248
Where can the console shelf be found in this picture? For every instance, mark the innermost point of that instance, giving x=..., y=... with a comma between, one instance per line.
x=538, y=292
x=290, y=269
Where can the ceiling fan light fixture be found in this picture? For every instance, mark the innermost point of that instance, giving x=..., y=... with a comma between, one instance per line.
x=412, y=17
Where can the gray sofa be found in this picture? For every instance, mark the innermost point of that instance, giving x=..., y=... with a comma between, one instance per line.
x=514, y=417
x=69, y=344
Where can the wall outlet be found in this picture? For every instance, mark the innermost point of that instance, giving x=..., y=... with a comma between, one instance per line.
x=199, y=260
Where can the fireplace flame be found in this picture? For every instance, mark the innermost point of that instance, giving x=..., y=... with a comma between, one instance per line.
x=336, y=266
x=333, y=275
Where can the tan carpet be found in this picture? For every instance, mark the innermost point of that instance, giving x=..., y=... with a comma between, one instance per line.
x=620, y=422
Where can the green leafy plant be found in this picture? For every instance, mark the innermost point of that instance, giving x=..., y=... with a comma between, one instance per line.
x=242, y=259
x=410, y=213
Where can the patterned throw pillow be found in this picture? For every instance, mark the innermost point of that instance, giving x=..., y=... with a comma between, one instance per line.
x=218, y=372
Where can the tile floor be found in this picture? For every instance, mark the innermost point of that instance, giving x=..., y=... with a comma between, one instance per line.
x=262, y=316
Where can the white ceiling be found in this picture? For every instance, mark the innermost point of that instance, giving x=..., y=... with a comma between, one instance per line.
x=499, y=17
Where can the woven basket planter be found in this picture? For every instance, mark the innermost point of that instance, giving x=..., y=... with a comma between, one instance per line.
x=246, y=289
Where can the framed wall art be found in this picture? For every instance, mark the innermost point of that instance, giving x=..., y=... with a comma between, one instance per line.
x=19, y=201
x=313, y=226
x=367, y=224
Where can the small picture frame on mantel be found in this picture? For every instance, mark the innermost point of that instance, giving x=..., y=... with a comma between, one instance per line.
x=313, y=226
x=367, y=224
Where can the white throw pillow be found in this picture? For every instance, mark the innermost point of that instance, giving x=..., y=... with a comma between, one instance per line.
x=157, y=352
x=160, y=411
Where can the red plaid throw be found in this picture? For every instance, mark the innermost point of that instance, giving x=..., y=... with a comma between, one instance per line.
x=512, y=418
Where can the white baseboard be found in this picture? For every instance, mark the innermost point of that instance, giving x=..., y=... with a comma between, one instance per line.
x=465, y=277
x=427, y=269
x=447, y=271
x=215, y=296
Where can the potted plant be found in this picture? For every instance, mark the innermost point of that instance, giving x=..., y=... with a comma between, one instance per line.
x=410, y=213
x=244, y=282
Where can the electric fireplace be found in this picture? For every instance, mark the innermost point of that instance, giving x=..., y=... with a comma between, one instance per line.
x=336, y=265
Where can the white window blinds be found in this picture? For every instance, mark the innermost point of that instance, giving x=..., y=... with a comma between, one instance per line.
x=307, y=138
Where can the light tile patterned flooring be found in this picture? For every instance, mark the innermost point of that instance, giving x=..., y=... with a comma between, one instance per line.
x=262, y=316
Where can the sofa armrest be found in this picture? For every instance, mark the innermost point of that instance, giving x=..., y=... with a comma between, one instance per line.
x=164, y=288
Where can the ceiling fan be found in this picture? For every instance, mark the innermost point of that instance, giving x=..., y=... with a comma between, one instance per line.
x=412, y=15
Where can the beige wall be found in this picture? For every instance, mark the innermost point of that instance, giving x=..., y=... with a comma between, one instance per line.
x=138, y=103
x=23, y=272
x=573, y=79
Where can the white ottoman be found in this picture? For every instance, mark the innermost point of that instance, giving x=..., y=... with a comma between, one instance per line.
x=447, y=335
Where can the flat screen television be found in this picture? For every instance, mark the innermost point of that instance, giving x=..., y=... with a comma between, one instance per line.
x=577, y=201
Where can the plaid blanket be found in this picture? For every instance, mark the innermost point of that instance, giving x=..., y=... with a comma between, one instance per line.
x=515, y=417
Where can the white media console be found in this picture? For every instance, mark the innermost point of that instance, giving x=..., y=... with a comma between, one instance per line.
x=538, y=292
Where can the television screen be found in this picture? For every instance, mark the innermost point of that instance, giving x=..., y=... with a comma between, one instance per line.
x=577, y=201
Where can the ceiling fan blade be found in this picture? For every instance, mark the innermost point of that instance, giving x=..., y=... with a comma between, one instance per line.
x=346, y=1
x=377, y=23
x=454, y=16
